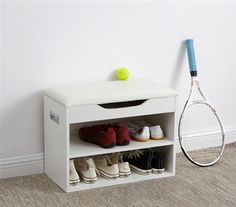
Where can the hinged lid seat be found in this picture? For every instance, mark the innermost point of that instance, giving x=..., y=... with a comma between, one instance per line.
x=108, y=92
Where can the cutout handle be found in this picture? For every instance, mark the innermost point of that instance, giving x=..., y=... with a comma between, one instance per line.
x=117, y=105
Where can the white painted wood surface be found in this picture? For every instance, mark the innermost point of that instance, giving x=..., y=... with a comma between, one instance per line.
x=80, y=148
x=56, y=143
x=134, y=177
x=79, y=114
x=108, y=92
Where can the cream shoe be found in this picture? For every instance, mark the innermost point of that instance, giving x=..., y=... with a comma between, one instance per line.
x=86, y=169
x=124, y=169
x=106, y=168
x=74, y=177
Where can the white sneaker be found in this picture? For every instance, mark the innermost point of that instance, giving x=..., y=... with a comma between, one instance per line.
x=106, y=168
x=156, y=132
x=86, y=169
x=124, y=169
x=74, y=177
x=139, y=133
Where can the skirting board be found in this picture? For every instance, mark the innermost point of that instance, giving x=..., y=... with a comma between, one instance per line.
x=207, y=139
x=22, y=165
x=34, y=164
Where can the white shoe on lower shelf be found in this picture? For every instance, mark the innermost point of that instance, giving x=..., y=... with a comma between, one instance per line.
x=106, y=168
x=74, y=177
x=124, y=169
x=86, y=168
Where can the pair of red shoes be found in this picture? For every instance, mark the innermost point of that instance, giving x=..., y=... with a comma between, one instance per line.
x=106, y=136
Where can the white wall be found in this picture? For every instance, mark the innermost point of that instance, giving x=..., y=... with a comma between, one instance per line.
x=50, y=43
x=1, y=80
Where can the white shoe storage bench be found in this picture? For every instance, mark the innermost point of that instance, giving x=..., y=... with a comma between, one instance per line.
x=68, y=108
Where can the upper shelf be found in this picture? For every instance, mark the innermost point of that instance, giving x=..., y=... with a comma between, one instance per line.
x=108, y=92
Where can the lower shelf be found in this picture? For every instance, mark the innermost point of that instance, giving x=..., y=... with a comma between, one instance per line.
x=134, y=177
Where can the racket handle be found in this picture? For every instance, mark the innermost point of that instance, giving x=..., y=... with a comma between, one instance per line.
x=191, y=57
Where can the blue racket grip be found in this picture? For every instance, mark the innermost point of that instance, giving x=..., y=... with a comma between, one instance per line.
x=191, y=57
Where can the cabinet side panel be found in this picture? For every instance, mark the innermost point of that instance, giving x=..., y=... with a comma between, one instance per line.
x=56, y=140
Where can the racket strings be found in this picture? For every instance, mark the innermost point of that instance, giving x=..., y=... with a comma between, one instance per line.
x=202, y=145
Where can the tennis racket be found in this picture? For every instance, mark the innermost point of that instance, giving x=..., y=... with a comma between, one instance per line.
x=200, y=145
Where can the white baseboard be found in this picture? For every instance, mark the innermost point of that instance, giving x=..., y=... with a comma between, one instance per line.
x=207, y=139
x=22, y=165
x=34, y=164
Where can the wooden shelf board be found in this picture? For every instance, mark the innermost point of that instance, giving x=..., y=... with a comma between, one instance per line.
x=80, y=148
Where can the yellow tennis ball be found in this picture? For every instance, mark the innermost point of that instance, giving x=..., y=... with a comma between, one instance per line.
x=122, y=74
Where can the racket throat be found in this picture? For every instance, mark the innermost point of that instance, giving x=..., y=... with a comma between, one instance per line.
x=193, y=73
x=194, y=79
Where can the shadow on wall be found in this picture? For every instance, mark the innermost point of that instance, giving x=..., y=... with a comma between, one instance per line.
x=112, y=75
x=23, y=126
x=174, y=80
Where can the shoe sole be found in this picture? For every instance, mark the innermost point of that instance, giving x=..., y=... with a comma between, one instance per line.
x=157, y=138
x=140, y=171
x=108, y=176
x=74, y=182
x=141, y=139
x=126, y=142
x=108, y=146
x=124, y=174
x=154, y=170
x=88, y=180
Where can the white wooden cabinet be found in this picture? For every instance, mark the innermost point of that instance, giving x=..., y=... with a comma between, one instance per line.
x=68, y=108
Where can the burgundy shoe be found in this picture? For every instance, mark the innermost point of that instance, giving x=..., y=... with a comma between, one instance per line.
x=122, y=135
x=100, y=135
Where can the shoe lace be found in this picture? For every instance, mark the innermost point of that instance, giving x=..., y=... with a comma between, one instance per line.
x=108, y=160
x=150, y=158
x=120, y=157
x=133, y=154
x=84, y=163
x=94, y=166
x=116, y=157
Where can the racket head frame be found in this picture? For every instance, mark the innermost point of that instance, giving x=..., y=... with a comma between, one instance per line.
x=189, y=103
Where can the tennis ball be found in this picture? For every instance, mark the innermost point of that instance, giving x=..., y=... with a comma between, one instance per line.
x=122, y=74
